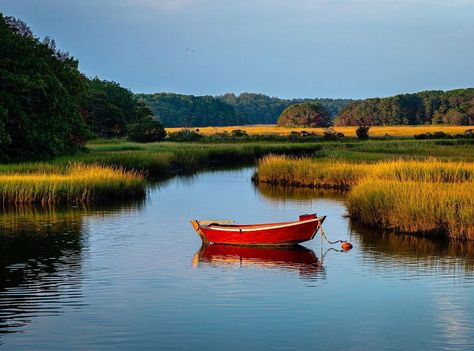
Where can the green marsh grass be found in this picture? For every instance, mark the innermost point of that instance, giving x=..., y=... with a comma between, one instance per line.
x=166, y=158
x=78, y=184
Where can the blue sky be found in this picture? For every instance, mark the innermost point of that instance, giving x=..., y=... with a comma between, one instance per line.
x=286, y=48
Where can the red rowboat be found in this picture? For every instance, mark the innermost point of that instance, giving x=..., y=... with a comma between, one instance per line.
x=284, y=233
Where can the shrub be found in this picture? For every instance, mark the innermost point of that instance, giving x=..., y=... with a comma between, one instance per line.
x=302, y=136
x=331, y=134
x=423, y=136
x=363, y=132
x=147, y=131
x=440, y=135
x=185, y=135
x=239, y=133
x=435, y=135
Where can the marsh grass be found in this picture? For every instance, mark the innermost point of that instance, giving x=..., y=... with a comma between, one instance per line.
x=145, y=162
x=78, y=184
x=115, y=170
x=336, y=174
x=166, y=158
x=308, y=172
x=375, y=150
x=347, y=161
x=33, y=167
x=413, y=196
x=415, y=207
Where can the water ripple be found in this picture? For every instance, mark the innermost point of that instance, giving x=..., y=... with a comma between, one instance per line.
x=135, y=276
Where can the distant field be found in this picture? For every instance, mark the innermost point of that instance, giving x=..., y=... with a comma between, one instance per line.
x=395, y=131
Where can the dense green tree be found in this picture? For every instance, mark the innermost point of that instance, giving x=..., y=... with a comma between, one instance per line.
x=308, y=114
x=426, y=107
x=175, y=110
x=146, y=131
x=110, y=108
x=41, y=91
x=256, y=108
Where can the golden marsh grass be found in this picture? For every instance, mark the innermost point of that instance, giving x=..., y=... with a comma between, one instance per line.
x=413, y=196
x=80, y=183
x=393, y=131
x=311, y=172
x=414, y=207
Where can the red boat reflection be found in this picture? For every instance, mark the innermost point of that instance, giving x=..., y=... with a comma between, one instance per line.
x=285, y=258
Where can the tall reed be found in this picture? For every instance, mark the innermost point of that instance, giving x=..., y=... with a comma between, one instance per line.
x=80, y=183
x=345, y=175
x=415, y=207
x=308, y=172
x=414, y=196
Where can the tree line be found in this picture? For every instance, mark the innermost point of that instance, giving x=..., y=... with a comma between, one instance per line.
x=454, y=107
x=426, y=107
x=176, y=110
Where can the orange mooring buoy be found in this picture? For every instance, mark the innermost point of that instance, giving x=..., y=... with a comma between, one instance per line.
x=346, y=246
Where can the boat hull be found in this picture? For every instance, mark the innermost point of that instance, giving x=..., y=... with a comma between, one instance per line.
x=286, y=233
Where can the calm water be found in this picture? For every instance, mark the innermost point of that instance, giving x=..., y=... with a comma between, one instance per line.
x=135, y=277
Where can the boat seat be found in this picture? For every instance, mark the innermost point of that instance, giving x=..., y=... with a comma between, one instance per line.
x=209, y=223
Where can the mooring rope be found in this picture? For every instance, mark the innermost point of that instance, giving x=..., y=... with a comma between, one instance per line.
x=344, y=243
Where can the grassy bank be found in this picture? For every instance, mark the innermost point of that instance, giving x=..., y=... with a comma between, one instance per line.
x=166, y=158
x=309, y=172
x=414, y=196
x=74, y=184
x=162, y=159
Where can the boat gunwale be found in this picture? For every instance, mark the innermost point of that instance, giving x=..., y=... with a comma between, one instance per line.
x=258, y=227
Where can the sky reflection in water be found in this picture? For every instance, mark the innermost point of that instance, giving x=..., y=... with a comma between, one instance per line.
x=135, y=276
